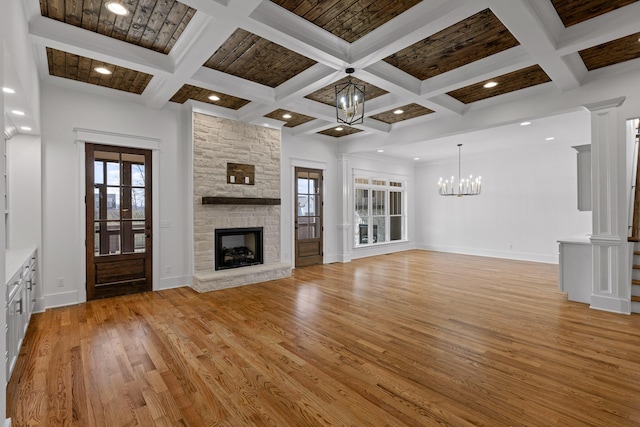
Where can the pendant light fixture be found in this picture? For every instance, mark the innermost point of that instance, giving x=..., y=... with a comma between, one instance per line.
x=350, y=101
x=464, y=187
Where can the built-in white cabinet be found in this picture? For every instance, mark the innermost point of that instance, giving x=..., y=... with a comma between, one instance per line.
x=575, y=274
x=22, y=285
x=584, y=177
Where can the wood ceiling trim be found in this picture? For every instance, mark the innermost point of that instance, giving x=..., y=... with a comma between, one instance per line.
x=474, y=38
x=510, y=82
x=296, y=119
x=613, y=52
x=346, y=130
x=410, y=111
x=152, y=24
x=79, y=68
x=253, y=58
x=327, y=95
x=349, y=20
x=188, y=92
x=575, y=12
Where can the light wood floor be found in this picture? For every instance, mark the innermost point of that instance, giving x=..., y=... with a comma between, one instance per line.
x=411, y=339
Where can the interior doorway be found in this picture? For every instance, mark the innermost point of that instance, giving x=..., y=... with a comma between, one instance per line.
x=118, y=221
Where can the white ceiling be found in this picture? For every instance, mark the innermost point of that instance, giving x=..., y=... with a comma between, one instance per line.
x=568, y=129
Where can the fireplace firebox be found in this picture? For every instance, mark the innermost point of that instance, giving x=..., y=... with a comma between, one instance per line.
x=237, y=247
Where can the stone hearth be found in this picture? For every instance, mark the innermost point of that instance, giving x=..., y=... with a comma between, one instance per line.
x=217, y=142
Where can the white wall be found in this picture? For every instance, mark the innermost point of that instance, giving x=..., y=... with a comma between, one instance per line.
x=63, y=111
x=318, y=154
x=528, y=202
x=322, y=153
x=24, y=228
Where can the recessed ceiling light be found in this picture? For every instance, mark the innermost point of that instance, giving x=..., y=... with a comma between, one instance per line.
x=398, y=111
x=286, y=116
x=8, y=90
x=214, y=98
x=18, y=112
x=525, y=123
x=25, y=128
x=489, y=85
x=102, y=70
x=339, y=128
x=381, y=151
x=416, y=158
x=116, y=8
x=551, y=138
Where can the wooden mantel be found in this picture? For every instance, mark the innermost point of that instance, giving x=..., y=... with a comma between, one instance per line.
x=206, y=200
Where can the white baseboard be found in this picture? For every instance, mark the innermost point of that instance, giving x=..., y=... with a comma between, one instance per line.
x=7, y=422
x=174, y=282
x=61, y=299
x=613, y=305
x=382, y=249
x=520, y=256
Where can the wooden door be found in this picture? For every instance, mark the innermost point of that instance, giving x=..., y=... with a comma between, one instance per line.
x=308, y=217
x=118, y=218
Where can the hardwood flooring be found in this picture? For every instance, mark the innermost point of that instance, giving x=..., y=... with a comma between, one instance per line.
x=410, y=339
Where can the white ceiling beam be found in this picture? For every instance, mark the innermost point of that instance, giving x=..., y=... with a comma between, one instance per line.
x=218, y=81
x=523, y=22
x=492, y=66
x=417, y=23
x=313, y=126
x=195, y=46
x=58, y=35
x=310, y=80
x=299, y=35
x=601, y=29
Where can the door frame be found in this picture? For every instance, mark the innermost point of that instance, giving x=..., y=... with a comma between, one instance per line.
x=301, y=163
x=120, y=140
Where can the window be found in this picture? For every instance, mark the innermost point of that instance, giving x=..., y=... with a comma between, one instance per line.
x=379, y=211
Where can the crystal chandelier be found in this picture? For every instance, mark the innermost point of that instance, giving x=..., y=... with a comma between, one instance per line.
x=465, y=187
x=350, y=101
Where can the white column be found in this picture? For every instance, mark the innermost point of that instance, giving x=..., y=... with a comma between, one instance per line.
x=345, y=226
x=3, y=318
x=611, y=275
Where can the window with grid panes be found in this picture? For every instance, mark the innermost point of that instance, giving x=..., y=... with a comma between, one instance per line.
x=379, y=211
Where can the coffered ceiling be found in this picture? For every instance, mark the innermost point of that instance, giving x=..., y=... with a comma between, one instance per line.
x=276, y=62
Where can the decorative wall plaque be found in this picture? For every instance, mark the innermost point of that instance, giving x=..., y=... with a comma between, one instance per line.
x=238, y=173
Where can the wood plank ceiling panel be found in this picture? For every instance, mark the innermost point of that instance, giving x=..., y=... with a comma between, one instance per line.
x=575, y=12
x=346, y=130
x=327, y=95
x=152, y=24
x=296, y=118
x=79, y=68
x=474, y=38
x=526, y=77
x=253, y=58
x=410, y=111
x=613, y=52
x=348, y=19
x=187, y=92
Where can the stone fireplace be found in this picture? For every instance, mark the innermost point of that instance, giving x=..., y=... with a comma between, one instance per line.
x=219, y=204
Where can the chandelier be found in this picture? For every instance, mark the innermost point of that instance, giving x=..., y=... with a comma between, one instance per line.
x=465, y=187
x=350, y=101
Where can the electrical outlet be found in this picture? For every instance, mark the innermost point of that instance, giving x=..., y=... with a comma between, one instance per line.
x=60, y=282
x=167, y=269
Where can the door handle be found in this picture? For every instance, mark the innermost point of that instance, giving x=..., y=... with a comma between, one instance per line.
x=147, y=235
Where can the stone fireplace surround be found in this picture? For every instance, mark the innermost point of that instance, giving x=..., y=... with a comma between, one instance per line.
x=216, y=142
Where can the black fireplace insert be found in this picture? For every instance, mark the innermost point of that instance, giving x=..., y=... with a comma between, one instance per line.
x=238, y=247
